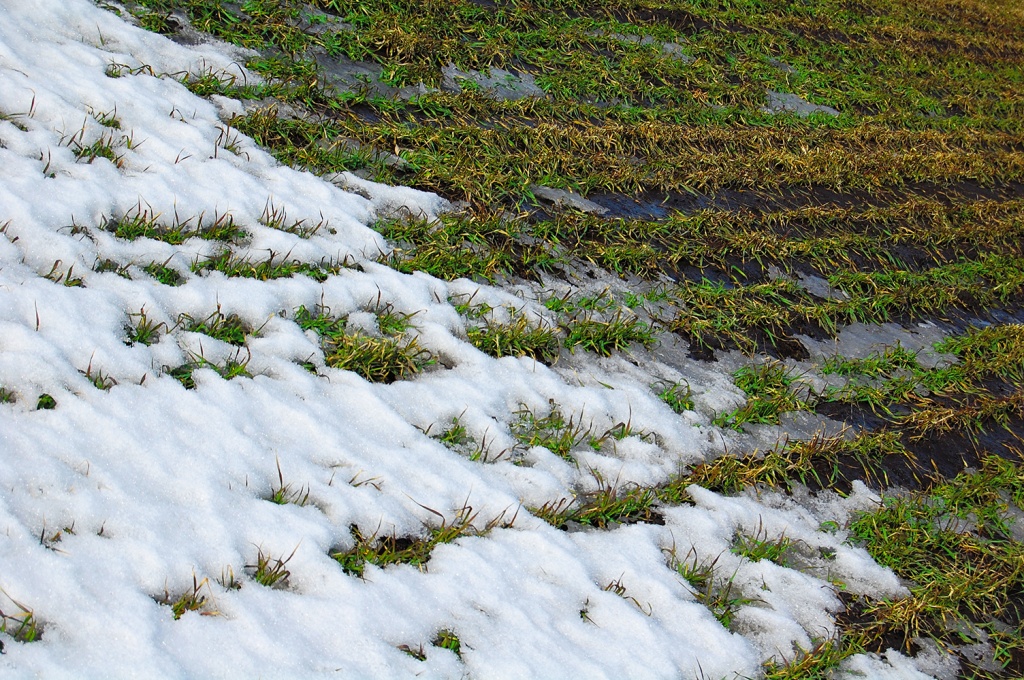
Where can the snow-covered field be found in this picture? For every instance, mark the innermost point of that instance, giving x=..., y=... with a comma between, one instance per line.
x=120, y=498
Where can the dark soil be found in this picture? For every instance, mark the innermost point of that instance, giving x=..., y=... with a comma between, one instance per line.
x=656, y=205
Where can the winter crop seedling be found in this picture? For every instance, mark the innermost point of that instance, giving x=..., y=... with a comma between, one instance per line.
x=553, y=431
x=66, y=278
x=164, y=274
x=761, y=547
x=263, y=270
x=455, y=436
x=230, y=328
x=678, y=396
x=951, y=543
x=269, y=571
x=108, y=119
x=376, y=359
x=232, y=367
x=770, y=388
x=386, y=550
x=619, y=588
x=283, y=494
x=21, y=625
x=275, y=217
x=516, y=338
x=415, y=652
x=190, y=600
x=605, y=508
x=447, y=639
x=227, y=579
x=604, y=337
x=121, y=270
x=720, y=596
x=103, y=147
x=99, y=379
x=389, y=321
x=144, y=330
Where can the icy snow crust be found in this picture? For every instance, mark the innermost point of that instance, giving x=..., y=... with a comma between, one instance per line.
x=152, y=485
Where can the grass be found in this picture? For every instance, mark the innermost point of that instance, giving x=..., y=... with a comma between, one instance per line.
x=382, y=360
x=269, y=571
x=718, y=594
x=142, y=329
x=99, y=379
x=517, y=338
x=233, y=367
x=383, y=551
x=190, y=600
x=457, y=438
x=21, y=624
x=623, y=116
x=276, y=217
x=143, y=222
x=553, y=432
x=272, y=267
x=447, y=639
x=607, y=507
x=377, y=360
x=284, y=493
x=953, y=546
x=107, y=146
x=164, y=274
x=771, y=391
x=230, y=328
x=760, y=547
x=605, y=336
x=823, y=462
x=678, y=396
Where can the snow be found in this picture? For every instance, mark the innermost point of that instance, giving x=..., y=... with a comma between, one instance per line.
x=151, y=485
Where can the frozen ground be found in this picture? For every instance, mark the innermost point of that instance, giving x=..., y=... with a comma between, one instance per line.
x=118, y=499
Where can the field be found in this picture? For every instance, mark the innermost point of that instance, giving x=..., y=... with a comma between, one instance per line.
x=515, y=339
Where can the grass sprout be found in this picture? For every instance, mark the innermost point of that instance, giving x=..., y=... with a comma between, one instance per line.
x=275, y=217
x=760, y=547
x=770, y=388
x=21, y=624
x=190, y=600
x=144, y=330
x=164, y=274
x=269, y=571
x=383, y=551
x=553, y=431
x=950, y=543
x=516, y=338
x=284, y=494
x=230, y=328
x=264, y=270
x=232, y=367
x=447, y=639
x=678, y=396
x=719, y=595
x=376, y=359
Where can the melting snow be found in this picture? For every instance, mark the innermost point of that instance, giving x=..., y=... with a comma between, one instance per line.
x=114, y=498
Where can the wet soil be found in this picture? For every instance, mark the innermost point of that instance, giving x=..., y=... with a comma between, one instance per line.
x=653, y=205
